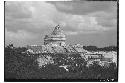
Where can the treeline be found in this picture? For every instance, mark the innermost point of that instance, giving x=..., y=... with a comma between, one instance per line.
x=20, y=66
x=94, y=48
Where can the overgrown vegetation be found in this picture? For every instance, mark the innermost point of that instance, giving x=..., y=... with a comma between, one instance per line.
x=20, y=66
x=94, y=48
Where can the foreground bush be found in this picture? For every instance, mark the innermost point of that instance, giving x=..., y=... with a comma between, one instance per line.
x=21, y=66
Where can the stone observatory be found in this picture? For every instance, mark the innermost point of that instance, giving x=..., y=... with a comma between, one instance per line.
x=57, y=37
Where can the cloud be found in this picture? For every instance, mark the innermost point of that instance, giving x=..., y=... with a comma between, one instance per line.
x=40, y=15
x=64, y=5
x=16, y=10
x=20, y=35
x=71, y=32
x=24, y=20
x=88, y=16
x=36, y=16
x=86, y=23
x=106, y=19
x=85, y=7
x=19, y=38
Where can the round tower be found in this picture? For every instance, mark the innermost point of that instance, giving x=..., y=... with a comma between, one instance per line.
x=57, y=37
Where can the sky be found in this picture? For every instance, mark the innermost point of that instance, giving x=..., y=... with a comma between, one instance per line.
x=83, y=22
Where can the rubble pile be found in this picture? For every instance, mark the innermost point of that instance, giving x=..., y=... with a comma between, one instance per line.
x=54, y=49
x=44, y=60
x=54, y=44
x=102, y=58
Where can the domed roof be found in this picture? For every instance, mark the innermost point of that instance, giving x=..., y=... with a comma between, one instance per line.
x=57, y=34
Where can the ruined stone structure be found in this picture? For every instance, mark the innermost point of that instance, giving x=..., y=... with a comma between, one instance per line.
x=57, y=37
x=55, y=43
